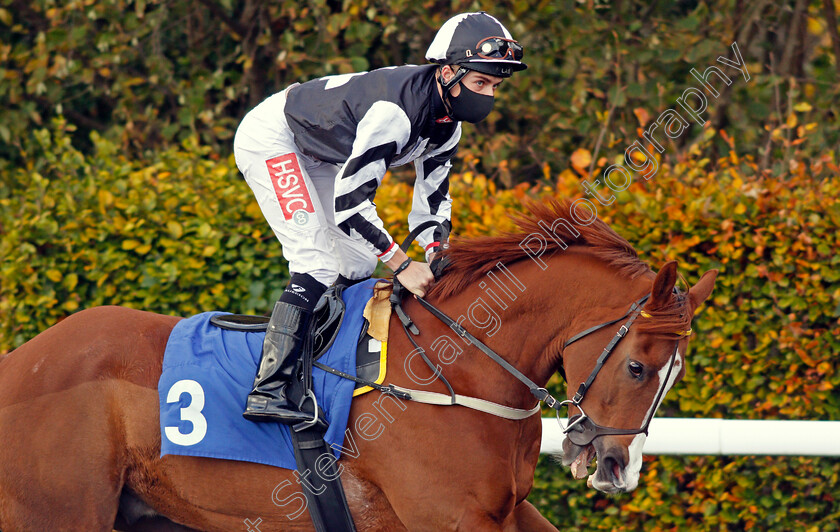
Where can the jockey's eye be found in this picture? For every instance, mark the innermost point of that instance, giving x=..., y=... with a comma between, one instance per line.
x=636, y=369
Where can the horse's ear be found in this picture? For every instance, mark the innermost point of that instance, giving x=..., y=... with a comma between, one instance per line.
x=700, y=291
x=663, y=285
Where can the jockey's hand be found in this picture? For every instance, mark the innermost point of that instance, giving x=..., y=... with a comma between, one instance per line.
x=417, y=278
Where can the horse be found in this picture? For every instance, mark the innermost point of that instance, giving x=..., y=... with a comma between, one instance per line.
x=79, y=418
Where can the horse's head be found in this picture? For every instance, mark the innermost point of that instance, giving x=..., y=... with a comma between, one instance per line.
x=611, y=404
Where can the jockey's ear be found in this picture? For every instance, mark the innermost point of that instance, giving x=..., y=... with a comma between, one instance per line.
x=663, y=285
x=454, y=71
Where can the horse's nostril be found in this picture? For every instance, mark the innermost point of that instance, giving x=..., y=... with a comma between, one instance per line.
x=613, y=466
x=616, y=471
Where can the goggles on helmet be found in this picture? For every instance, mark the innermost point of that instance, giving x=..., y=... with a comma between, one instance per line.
x=497, y=48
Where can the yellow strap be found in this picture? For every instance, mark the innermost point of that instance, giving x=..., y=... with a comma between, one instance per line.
x=383, y=363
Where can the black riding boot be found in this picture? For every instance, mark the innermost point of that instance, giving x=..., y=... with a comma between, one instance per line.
x=284, y=338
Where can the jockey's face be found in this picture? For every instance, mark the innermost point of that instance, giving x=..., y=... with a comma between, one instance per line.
x=474, y=81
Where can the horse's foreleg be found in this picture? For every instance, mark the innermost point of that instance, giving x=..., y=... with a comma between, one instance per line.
x=526, y=518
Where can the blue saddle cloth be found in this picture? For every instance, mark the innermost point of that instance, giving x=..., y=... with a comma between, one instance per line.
x=208, y=373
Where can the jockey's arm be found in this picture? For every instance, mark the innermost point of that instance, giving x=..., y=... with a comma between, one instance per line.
x=382, y=132
x=431, y=193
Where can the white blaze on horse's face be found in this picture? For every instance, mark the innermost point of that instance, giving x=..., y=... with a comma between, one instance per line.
x=628, y=480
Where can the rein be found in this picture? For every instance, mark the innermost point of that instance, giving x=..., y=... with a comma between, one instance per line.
x=434, y=398
x=454, y=399
x=581, y=430
x=410, y=329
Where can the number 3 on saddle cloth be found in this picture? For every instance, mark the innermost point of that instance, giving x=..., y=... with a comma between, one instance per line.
x=208, y=372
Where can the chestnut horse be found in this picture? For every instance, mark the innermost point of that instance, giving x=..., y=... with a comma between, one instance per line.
x=79, y=421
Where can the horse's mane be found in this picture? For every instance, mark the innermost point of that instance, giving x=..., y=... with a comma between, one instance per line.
x=471, y=259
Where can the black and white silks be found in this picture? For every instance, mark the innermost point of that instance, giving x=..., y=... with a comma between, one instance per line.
x=369, y=122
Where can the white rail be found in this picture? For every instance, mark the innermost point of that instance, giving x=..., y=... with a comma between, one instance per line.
x=725, y=437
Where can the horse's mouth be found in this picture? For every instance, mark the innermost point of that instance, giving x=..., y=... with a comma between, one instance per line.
x=578, y=458
x=609, y=476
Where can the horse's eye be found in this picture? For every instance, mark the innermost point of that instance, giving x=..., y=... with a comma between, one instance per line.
x=636, y=369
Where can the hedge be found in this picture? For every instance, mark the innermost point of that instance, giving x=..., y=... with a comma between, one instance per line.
x=179, y=236
x=183, y=234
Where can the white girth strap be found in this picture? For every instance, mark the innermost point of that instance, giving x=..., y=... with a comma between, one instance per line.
x=433, y=398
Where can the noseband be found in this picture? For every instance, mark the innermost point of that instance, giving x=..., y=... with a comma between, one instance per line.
x=581, y=429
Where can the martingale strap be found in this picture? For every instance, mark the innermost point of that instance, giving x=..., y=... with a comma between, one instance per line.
x=482, y=405
x=440, y=399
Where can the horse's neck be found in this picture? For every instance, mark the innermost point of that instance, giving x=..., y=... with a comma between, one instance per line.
x=525, y=313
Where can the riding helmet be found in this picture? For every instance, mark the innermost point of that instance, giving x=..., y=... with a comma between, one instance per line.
x=477, y=41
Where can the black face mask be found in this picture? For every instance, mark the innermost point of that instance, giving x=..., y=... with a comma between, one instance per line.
x=470, y=106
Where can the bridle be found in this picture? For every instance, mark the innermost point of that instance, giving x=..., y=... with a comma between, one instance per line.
x=580, y=429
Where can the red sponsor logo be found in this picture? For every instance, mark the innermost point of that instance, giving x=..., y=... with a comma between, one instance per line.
x=289, y=185
x=444, y=120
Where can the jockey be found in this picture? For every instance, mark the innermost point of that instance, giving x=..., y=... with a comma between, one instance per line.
x=315, y=153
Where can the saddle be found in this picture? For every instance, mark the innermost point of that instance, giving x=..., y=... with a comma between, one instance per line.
x=331, y=512
x=326, y=321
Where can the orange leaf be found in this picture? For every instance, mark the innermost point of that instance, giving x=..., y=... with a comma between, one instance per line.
x=642, y=116
x=581, y=158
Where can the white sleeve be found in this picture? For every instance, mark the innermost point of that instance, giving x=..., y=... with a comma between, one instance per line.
x=431, y=191
x=381, y=134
